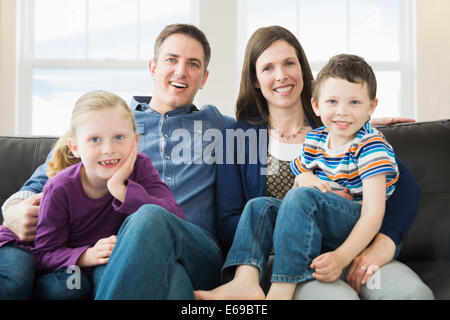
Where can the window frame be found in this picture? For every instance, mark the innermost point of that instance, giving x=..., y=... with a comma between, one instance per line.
x=27, y=63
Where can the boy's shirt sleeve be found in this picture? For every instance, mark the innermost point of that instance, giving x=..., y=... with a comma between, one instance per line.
x=374, y=155
x=304, y=163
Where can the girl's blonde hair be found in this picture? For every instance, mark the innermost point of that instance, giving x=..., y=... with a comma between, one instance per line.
x=92, y=101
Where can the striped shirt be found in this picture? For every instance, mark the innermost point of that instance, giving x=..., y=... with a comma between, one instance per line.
x=366, y=155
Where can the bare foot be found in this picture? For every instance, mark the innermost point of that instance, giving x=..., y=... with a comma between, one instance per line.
x=233, y=290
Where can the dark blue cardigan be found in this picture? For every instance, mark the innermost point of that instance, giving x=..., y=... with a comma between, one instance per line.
x=238, y=183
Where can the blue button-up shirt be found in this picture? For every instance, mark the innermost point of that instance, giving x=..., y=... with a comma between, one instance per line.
x=181, y=148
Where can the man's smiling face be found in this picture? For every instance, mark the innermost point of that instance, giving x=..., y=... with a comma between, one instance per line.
x=179, y=73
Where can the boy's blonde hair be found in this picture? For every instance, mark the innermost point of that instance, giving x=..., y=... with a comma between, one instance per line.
x=92, y=101
x=349, y=67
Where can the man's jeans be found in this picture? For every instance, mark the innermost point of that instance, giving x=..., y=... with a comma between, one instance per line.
x=17, y=271
x=160, y=256
x=299, y=228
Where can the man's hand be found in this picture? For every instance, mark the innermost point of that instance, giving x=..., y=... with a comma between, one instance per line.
x=387, y=121
x=376, y=255
x=98, y=254
x=21, y=217
x=116, y=184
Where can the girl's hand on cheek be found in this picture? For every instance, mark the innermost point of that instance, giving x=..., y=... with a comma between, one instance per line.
x=116, y=184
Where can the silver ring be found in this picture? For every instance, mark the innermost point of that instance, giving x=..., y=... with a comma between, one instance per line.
x=363, y=268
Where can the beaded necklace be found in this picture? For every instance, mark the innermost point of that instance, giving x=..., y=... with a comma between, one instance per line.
x=303, y=128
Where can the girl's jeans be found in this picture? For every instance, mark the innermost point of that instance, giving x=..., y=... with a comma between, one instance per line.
x=306, y=223
x=17, y=271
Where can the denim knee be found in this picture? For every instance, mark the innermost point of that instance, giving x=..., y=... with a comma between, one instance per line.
x=147, y=216
x=149, y=219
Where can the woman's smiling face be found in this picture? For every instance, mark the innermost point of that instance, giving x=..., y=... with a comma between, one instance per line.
x=279, y=75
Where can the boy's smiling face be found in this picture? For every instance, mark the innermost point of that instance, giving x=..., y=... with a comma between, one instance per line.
x=344, y=108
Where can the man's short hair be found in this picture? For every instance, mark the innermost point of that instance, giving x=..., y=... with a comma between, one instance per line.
x=188, y=30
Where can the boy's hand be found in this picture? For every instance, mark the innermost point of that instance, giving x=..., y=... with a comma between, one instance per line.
x=328, y=266
x=98, y=254
x=116, y=184
x=308, y=179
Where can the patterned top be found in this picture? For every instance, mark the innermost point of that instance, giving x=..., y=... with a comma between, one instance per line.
x=366, y=155
x=280, y=178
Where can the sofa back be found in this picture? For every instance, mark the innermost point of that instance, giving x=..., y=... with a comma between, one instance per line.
x=19, y=157
x=423, y=146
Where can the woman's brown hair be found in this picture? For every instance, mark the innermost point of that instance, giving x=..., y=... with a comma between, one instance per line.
x=251, y=103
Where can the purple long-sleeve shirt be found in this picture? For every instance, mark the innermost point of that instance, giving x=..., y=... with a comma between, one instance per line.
x=70, y=222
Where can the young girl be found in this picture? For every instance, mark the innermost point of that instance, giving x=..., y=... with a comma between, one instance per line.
x=84, y=205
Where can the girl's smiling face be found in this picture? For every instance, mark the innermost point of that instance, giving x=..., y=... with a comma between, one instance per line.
x=279, y=75
x=103, y=139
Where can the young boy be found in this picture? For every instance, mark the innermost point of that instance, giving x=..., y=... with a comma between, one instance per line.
x=346, y=153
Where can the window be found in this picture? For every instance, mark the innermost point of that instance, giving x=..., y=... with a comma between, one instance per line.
x=378, y=30
x=73, y=46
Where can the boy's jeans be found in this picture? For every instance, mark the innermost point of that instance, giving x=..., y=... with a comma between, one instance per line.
x=306, y=223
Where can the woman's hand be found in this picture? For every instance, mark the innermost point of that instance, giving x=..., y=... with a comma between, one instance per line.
x=307, y=179
x=98, y=254
x=387, y=121
x=116, y=184
x=376, y=255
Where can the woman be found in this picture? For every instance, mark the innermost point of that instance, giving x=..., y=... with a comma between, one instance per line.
x=275, y=98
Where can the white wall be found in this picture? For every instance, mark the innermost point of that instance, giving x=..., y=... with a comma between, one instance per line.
x=219, y=20
x=7, y=66
x=433, y=59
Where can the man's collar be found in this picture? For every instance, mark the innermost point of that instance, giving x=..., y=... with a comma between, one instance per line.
x=141, y=103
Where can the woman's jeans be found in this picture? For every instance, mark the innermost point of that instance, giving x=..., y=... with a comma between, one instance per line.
x=160, y=256
x=306, y=223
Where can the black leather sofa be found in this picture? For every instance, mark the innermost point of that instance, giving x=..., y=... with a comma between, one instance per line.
x=424, y=147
